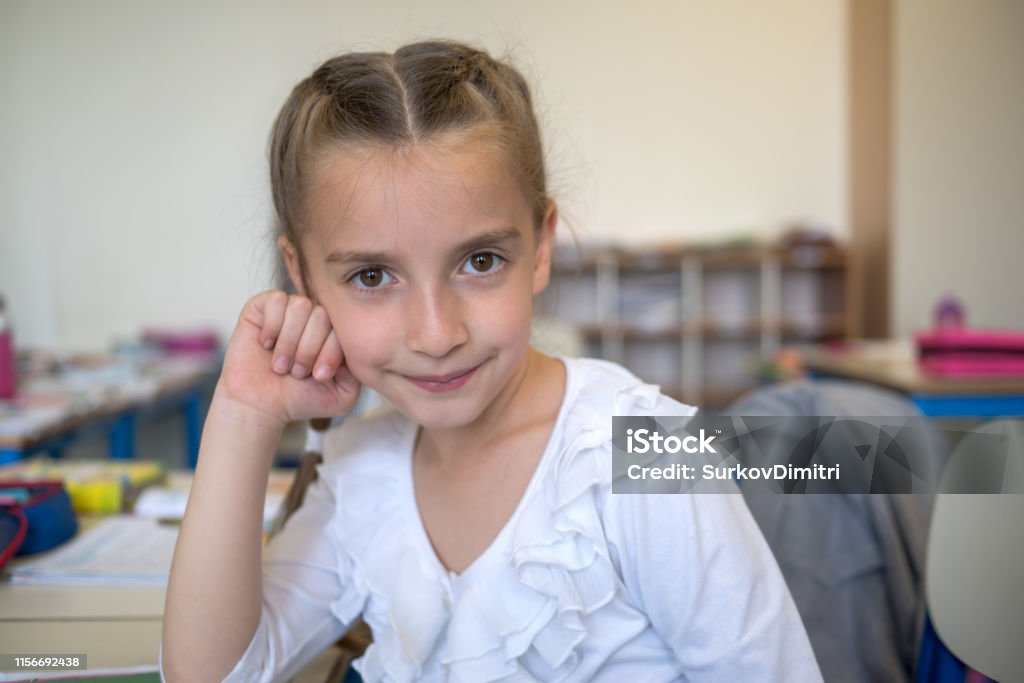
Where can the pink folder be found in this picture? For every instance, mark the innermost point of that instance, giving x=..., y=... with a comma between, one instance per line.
x=971, y=353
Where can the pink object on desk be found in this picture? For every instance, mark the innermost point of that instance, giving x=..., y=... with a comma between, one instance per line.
x=183, y=341
x=8, y=379
x=971, y=353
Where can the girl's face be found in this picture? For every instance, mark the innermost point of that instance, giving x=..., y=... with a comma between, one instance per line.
x=426, y=261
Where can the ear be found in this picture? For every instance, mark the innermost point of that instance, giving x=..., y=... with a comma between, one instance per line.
x=291, y=261
x=545, y=244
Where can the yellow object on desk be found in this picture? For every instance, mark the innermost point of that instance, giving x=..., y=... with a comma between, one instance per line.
x=95, y=486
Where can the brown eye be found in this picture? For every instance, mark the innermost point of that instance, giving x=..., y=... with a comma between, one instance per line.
x=371, y=277
x=482, y=262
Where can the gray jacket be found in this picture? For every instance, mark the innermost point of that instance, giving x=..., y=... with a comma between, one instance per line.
x=854, y=563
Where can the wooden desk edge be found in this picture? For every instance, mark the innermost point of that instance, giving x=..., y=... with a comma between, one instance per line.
x=879, y=371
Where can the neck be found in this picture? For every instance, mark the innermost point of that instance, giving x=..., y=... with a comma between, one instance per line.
x=531, y=396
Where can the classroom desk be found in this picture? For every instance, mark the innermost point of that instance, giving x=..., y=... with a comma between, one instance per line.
x=117, y=627
x=52, y=412
x=894, y=365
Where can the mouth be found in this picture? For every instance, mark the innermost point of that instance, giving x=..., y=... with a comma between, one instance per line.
x=441, y=383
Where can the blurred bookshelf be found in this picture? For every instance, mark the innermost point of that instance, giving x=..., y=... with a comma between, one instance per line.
x=701, y=321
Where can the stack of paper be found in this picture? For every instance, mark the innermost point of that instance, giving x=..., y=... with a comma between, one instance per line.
x=124, y=551
x=168, y=502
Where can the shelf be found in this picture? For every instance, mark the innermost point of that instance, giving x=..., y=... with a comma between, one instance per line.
x=811, y=256
x=690, y=318
x=651, y=261
x=749, y=329
x=633, y=332
x=638, y=262
x=732, y=258
x=818, y=257
x=827, y=327
x=563, y=263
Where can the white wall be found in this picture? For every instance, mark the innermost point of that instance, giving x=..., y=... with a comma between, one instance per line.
x=132, y=182
x=959, y=146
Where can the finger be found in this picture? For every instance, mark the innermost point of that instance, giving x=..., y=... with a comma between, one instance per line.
x=311, y=342
x=274, y=305
x=330, y=358
x=295, y=316
x=348, y=383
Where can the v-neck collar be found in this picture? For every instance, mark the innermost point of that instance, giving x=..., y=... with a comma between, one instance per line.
x=422, y=538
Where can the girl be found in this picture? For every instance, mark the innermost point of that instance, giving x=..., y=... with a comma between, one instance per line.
x=472, y=526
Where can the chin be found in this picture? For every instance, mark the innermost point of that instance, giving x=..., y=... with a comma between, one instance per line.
x=442, y=415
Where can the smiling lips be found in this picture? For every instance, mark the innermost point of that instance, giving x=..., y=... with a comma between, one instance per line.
x=441, y=383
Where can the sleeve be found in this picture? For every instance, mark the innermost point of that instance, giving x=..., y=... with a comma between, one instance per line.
x=308, y=600
x=698, y=566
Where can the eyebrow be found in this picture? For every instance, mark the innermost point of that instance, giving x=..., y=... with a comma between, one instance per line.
x=485, y=239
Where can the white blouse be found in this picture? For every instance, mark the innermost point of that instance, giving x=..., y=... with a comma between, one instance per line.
x=579, y=585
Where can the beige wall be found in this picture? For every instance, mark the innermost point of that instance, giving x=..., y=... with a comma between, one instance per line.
x=133, y=191
x=959, y=147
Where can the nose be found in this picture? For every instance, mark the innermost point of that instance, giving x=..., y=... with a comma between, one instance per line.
x=435, y=324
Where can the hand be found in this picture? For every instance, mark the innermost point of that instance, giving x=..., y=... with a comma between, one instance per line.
x=284, y=361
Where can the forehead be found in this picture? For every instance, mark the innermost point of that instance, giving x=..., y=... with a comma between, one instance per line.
x=448, y=189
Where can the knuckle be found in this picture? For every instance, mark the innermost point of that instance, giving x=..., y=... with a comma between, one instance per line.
x=301, y=304
x=319, y=315
x=286, y=341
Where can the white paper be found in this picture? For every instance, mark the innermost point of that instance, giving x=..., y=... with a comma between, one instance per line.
x=118, y=551
x=163, y=503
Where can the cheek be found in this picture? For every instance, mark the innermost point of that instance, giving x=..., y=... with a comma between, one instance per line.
x=366, y=339
x=504, y=320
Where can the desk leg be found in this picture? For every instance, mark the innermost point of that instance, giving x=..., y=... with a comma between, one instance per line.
x=193, y=425
x=53, y=447
x=122, y=437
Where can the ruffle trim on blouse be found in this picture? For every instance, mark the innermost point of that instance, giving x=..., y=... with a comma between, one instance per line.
x=400, y=597
x=558, y=573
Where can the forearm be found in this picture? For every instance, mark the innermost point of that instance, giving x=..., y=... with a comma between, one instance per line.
x=215, y=590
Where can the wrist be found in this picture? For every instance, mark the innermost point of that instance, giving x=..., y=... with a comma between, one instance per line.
x=242, y=416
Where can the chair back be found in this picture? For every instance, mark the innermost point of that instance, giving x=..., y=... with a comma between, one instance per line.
x=306, y=473
x=974, y=575
x=354, y=643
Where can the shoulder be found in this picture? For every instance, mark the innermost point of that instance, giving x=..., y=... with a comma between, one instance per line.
x=604, y=387
x=596, y=390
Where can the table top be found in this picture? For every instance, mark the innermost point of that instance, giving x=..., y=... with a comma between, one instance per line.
x=32, y=602
x=894, y=365
x=26, y=602
x=48, y=405
x=118, y=627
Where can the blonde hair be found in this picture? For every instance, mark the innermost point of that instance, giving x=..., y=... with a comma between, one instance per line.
x=394, y=101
